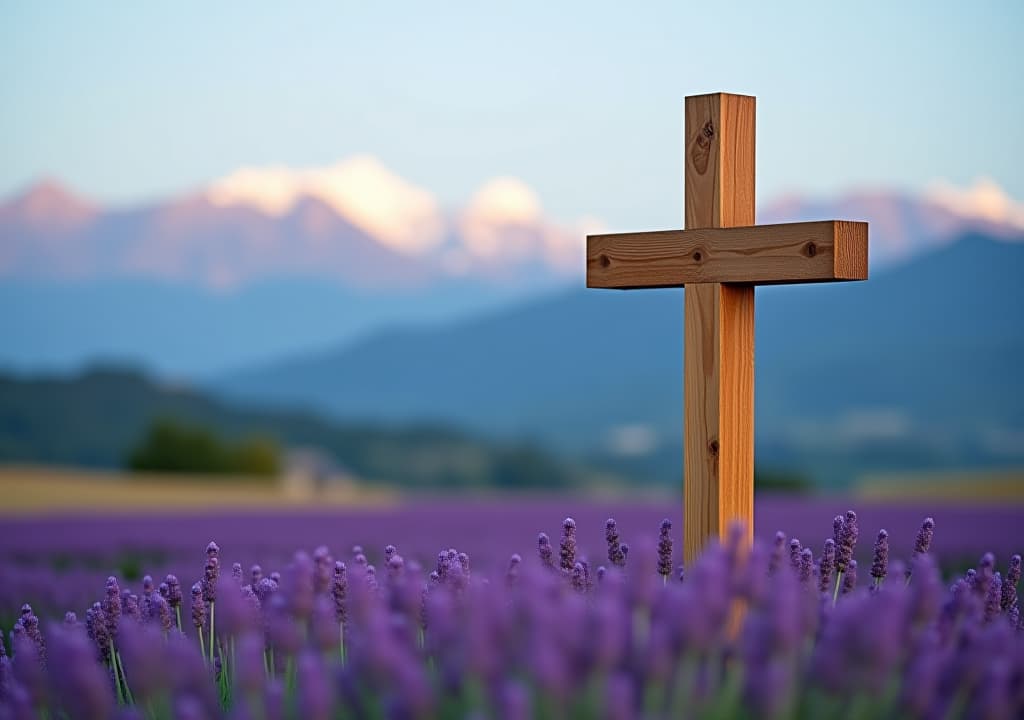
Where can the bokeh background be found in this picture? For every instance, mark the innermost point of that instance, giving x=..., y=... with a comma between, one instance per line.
x=266, y=259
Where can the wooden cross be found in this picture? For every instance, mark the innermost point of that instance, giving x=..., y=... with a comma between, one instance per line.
x=720, y=257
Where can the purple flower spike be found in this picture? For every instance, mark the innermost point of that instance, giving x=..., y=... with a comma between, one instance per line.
x=567, y=548
x=880, y=559
x=681, y=573
x=112, y=607
x=512, y=572
x=130, y=606
x=611, y=535
x=601, y=572
x=173, y=591
x=389, y=550
x=212, y=550
x=778, y=552
x=806, y=565
x=236, y=572
x=795, y=548
x=848, y=533
x=579, y=583
x=992, y=597
x=198, y=607
x=665, y=549
x=545, y=551
x=625, y=553
x=324, y=569
x=160, y=613
x=923, y=542
x=339, y=591
x=255, y=575
x=826, y=565
x=850, y=578
x=1008, y=594
x=211, y=573
x=70, y=619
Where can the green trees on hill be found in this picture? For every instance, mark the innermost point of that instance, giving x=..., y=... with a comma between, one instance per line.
x=171, y=446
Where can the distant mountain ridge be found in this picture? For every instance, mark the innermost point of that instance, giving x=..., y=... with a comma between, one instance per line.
x=917, y=367
x=270, y=262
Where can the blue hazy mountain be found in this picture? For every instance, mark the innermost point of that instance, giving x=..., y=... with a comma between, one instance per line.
x=920, y=366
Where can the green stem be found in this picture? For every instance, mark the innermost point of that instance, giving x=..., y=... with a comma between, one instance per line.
x=341, y=641
x=202, y=643
x=117, y=679
x=839, y=581
x=212, y=608
x=124, y=678
x=177, y=613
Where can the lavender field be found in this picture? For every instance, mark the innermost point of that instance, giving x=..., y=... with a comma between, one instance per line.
x=57, y=561
x=512, y=610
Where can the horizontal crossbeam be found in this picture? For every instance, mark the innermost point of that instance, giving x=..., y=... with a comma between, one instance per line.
x=824, y=251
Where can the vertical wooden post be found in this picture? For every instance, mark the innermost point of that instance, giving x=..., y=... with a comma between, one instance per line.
x=718, y=380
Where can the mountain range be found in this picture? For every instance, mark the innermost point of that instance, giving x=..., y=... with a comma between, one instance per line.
x=269, y=262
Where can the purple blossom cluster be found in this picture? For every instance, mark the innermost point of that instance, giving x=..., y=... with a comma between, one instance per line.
x=767, y=631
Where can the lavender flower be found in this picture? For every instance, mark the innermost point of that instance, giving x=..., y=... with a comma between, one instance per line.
x=130, y=606
x=323, y=565
x=848, y=533
x=112, y=607
x=70, y=620
x=198, y=607
x=992, y=597
x=211, y=572
x=173, y=591
x=96, y=629
x=1008, y=593
x=826, y=565
x=923, y=542
x=545, y=551
x=512, y=571
x=624, y=547
x=236, y=572
x=880, y=559
x=160, y=613
x=255, y=575
x=611, y=535
x=806, y=565
x=339, y=591
x=795, y=548
x=578, y=580
x=567, y=548
x=849, y=578
x=778, y=550
x=665, y=549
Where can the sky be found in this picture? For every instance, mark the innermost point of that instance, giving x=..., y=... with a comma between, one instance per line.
x=132, y=102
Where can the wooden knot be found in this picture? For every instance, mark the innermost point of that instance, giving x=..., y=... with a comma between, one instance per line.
x=713, y=448
x=604, y=260
x=810, y=249
x=700, y=153
x=697, y=257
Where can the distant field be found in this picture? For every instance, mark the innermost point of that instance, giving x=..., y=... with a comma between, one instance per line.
x=34, y=490
x=1006, y=486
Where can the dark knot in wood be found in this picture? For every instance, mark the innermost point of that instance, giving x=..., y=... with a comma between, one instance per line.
x=697, y=257
x=604, y=260
x=811, y=249
x=713, y=448
x=700, y=154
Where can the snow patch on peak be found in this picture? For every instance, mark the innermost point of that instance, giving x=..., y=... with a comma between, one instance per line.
x=984, y=200
x=399, y=214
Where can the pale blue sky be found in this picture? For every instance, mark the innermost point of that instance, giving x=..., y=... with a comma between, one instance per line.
x=132, y=101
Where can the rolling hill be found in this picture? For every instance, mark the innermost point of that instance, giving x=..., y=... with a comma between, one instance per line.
x=918, y=367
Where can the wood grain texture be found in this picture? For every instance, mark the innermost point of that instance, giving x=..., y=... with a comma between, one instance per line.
x=821, y=251
x=718, y=408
